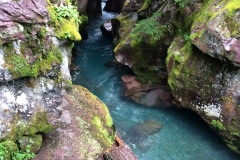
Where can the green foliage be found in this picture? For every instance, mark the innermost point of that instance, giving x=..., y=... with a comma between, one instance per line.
x=67, y=12
x=66, y=21
x=9, y=150
x=186, y=37
x=20, y=155
x=218, y=125
x=41, y=33
x=183, y=3
x=149, y=28
x=103, y=133
x=21, y=66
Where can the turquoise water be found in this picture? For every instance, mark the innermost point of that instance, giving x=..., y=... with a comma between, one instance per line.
x=183, y=135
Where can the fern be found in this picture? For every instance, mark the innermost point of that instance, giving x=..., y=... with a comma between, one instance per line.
x=67, y=12
x=149, y=28
x=9, y=150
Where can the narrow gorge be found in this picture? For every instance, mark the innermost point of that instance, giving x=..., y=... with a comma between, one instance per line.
x=119, y=80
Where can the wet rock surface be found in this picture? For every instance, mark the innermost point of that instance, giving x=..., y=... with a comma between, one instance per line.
x=106, y=29
x=77, y=135
x=215, y=30
x=202, y=66
x=142, y=134
x=13, y=13
x=147, y=94
x=209, y=87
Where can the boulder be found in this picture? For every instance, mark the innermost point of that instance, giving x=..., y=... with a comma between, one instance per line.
x=34, y=71
x=139, y=47
x=200, y=45
x=119, y=151
x=207, y=86
x=147, y=94
x=29, y=109
x=114, y=6
x=85, y=129
x=215, y=30
x=106, y=29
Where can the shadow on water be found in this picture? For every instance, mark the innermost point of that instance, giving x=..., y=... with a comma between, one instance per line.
x=152, y=133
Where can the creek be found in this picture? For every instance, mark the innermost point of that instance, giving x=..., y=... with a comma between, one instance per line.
x=183, y=136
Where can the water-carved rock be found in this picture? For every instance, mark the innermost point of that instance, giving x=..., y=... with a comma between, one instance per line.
x=141, y=134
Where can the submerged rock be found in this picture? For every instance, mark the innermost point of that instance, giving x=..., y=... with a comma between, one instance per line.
x=142, y=133
x=147, y=94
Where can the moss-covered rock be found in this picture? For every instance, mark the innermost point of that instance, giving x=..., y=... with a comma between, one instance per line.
x=215, y=30
x=194, y=30
x=207, y=86
x=65, y=21
x=85, y=128
x=139, y=44
x=31, y=143
x=35, y=53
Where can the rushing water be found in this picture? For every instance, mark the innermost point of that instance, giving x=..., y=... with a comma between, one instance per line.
x=183, y=135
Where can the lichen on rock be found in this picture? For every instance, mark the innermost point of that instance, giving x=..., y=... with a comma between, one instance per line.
x=215, y=30
x=85, y=128
x=216, y=99
x=34, y=72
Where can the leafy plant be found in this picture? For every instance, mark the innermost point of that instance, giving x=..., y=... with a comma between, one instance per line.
x=217, y=124
x=9, y=150
x=183, y=3
x=67, y=12
x=20, y=155
x=149, y=27
x=3, y=152
x=186, y=37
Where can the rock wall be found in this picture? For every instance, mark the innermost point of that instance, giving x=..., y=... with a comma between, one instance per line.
x=36, y=40
x=195, y=50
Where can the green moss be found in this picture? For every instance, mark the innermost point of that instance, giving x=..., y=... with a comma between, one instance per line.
x=229, y=9
x=84, y=19
x=218, y=125
x=103, y=134
x=20, y=67
x=234, y=148
x=9, y=150
x=68, y=29
x=237, y=134
x=1, y=43
x=42, y=33
x=234, y=127
x=176, y=59
x=145, y=5
x=39, y=124
x=65, y=24
x=17, y=64
x=45, y=64
x=31, y=143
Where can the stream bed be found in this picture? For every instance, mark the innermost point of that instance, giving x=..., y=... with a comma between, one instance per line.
x=183, y=135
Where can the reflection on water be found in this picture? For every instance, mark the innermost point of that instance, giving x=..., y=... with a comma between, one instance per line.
x=166, y=134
